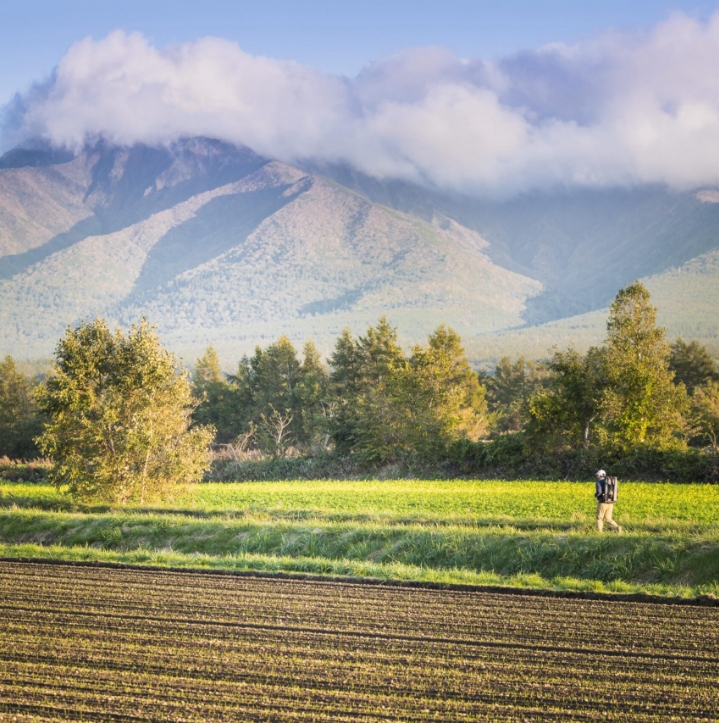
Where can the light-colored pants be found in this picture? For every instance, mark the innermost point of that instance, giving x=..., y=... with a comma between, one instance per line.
x=604, y=514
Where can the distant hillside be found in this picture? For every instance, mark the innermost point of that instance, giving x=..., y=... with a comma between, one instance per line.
x=277, y=251
x=37, y=204
x=218, y=245
x=687, y=299
x=582, y=245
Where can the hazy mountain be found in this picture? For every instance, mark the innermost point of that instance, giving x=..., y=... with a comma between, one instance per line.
x=687, y=299
x=582, y=245
x=218, y=245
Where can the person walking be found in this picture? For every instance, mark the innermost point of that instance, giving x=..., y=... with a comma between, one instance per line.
x=605, y=505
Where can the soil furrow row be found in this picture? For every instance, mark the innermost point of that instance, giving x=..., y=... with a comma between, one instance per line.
x=118, y=645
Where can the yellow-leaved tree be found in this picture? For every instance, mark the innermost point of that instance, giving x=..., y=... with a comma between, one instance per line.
x=119, y=417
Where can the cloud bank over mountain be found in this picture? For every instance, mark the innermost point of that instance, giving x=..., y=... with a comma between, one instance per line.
x=619, y=110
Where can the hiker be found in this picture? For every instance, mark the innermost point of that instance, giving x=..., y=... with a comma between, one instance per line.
x=606, y=495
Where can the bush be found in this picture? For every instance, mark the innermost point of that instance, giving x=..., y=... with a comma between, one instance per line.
x=36, y=470
x=509, y=456
x=322, y=466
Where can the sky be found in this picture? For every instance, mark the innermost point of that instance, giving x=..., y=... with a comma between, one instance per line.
x=478, y=97
x=330, y=35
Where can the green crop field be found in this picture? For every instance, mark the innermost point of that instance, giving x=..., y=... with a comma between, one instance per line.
x=480, y=501
x=80, y=643
x=527, y=534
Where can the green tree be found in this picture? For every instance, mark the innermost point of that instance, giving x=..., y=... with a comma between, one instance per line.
x=275, y=374
x=442, y=396
x=392, y=406
x=705, y=413
x=365, y=374
x=377, y=412
x=267, y=392
x=20, y=422
x=346, y=386
x=119, y=417
x=217, y=399
x=568, y=412
x=510, y=390
x=207, y=370
x=641, y=405
x=312, y=400
x=692, y=364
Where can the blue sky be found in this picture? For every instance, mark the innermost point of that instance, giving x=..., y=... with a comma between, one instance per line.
x=330, y=35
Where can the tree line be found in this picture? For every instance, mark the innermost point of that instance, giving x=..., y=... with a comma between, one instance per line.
x=372, y=402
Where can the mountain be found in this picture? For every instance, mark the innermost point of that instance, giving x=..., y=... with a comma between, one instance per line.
x=583, y=246
x=687, y=301
x=218, y=245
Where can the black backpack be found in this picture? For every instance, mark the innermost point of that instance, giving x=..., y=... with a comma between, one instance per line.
x=611, y=489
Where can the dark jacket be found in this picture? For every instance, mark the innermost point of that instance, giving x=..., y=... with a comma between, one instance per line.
x=601, y=489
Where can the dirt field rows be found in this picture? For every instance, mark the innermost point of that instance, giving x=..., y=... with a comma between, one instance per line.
x=82, y=643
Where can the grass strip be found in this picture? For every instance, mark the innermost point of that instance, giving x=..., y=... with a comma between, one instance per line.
x=676, y=564
x=350, y=569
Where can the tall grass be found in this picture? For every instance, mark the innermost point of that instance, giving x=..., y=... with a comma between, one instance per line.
x=249, y=562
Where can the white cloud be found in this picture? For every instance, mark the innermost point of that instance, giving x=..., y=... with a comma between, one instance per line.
x=618, y=110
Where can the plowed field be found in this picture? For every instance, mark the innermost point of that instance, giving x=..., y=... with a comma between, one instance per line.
x=100, y=644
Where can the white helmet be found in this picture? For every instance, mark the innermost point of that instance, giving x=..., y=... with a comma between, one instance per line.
x=601, y=473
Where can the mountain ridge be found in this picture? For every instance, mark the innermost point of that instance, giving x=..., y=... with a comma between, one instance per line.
x=582, y=246
x=278, y=251
x=218, y=245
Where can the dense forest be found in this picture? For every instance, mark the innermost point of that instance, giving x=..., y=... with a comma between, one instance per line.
x=638, y=402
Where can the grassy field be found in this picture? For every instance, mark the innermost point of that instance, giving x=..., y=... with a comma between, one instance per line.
x=519, y=503
x=529, y=534
x=81, y=643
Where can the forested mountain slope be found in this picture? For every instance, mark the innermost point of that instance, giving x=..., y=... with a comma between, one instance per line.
x=37, y=204
x=218, y=245
x=582, y=245
x=687, y=299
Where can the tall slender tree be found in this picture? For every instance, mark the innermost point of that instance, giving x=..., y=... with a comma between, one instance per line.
x=384, y=365
x=345, y=388
x=641, y=404
x=207, y=370
x=20, y=422
x=217, y=399
x=443, y=398
x=312, y=401
x=364, y=378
